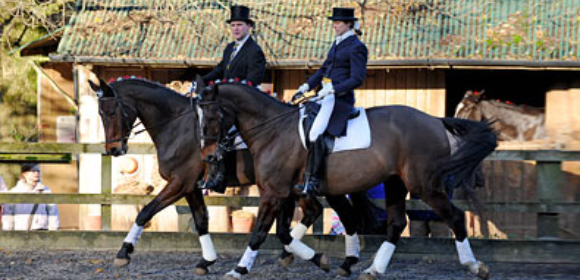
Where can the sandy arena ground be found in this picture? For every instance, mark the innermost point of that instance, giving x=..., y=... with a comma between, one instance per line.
x=156, y=265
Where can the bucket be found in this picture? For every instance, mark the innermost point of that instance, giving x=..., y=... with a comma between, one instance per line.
x=242, y=222
x=92, y=222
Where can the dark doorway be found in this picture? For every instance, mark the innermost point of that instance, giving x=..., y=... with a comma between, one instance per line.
x=517, y=86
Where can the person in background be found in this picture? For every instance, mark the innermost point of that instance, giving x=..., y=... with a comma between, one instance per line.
x=242, y=59
x=3, y=188
x=30, y=216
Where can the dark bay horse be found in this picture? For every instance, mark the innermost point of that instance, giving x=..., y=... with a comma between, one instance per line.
x=172, y=121
x=511, y=122
x=410, y=151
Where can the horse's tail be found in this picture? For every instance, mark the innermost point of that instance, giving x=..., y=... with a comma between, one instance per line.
x=476, y=140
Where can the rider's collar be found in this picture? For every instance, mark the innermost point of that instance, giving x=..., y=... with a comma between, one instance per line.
x=243, y=41
x=345, y=35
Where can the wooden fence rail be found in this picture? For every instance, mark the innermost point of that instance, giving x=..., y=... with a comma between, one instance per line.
x=550, y=187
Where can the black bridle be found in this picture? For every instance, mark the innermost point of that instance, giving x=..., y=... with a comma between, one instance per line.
x=226, y=142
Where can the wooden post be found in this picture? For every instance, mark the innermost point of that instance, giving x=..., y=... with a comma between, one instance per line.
x=318, y=226
x=550, y=190
x=106, y=187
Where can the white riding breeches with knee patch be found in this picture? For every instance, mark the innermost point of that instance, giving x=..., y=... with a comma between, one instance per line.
x=323, y=118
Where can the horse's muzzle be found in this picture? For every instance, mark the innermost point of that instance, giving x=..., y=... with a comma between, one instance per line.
x=114, y=151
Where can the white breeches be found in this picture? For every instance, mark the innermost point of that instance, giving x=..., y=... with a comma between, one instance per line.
x=321, y=122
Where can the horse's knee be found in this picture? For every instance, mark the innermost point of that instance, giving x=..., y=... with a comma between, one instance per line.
x=311, y=215
x=257, y=240
x=398, y=225
x=284, y=237
x=144, y=215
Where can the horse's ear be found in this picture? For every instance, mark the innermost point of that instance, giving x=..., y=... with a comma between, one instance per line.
x=104, y=90
x=215, y=90
x=200, y=85
x=94, y=87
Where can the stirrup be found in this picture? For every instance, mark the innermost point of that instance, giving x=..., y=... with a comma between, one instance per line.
x=216, y=184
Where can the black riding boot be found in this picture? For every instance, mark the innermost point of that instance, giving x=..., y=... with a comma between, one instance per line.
x=216, y=182
x=315, y=167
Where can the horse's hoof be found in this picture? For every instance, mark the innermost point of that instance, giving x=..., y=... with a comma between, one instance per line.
x=483, y=271
x=202, y=267
x=342, y=272
x=201, y=271
x=324, y=263
x=344, y=269
x=232, y=275
x=366, y=276
x=119, y=263
x=286, y=261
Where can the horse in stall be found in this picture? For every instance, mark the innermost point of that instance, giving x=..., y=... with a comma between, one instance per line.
x=410, y=151
x=511, y=122
x=172, y=121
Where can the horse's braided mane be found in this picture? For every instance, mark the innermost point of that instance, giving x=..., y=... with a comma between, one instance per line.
x=254, y=89
x=146, y=82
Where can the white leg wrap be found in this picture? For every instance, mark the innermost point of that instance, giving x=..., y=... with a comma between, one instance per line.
x=300, y=249
x=466, y=256
x=134, y=234
x=207, y=250
x=352, y=245
x=464, y=251
x=298, y=231
x=382, y=259
x=248, y=259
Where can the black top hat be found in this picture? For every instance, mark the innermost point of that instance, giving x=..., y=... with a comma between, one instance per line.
x=240, y=13
x=343, y=14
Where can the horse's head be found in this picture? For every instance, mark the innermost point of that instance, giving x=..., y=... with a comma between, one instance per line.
x=468, y=107
x=117, y=118
x=215, y=118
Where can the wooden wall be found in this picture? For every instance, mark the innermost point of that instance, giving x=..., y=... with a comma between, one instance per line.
x=60, y=178
x=422, y=89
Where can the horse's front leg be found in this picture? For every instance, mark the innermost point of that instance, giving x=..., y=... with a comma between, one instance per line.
x=170, y=194
x=346, y=213
x=200, y=217
x=267, y=212
x=312, y=209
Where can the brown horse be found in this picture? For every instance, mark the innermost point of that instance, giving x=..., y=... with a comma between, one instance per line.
x=172, y=122
x=511, y=122
x=410, y=151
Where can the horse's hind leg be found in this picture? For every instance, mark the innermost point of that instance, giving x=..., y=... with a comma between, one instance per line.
x=455, y=219
x=312, y=209
x=170, y=194
x=395, y=194
x=347, y=216
x=200, y=217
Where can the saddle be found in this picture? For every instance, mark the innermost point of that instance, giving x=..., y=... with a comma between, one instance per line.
x=358, y=134
x=311, y=110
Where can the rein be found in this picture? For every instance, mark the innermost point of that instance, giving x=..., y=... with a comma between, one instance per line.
x=124, y=114
x=231, y=135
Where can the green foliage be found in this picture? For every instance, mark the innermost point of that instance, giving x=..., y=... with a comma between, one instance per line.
x=22, y=22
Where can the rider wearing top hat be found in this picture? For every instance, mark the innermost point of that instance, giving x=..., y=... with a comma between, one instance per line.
x=343, y=71
x=243, y=59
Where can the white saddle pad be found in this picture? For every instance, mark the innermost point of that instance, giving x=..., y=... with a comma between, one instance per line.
x=358, y=133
